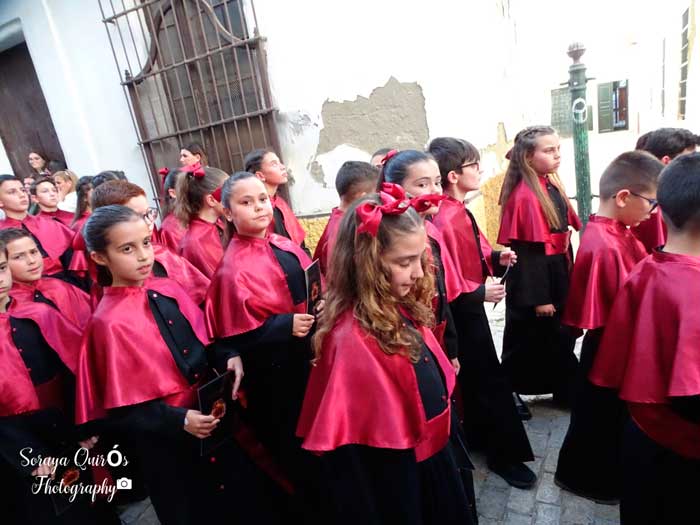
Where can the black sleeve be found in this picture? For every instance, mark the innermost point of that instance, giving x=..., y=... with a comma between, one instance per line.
x=498, y=268
x=18, y=433
x=476, y=297
x=688, y=407
x=529, y=279
x=151, y=417
x=308, y=252
x=450, y=335
x=372, y=486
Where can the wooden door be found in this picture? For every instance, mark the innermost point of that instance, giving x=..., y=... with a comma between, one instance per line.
x=25, y=122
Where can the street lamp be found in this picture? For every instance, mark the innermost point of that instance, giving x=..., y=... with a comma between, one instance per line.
x=580, y=116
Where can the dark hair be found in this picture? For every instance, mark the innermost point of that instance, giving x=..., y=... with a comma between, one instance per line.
x=4, y=178
x=451, y=153
x=226, y=191
x=380, y=151
x=82, y=189
x=3, y=249
x=56, y=165
x=642, y=140
x=96, y=230
x=168, y=203
x=32, y=188
x=637, y=171
x=196, y=149
x=253, y=160
x=679, y=192
x=104, y=176
x=42, y=154
x=7, y=235
x=669, y=142
x=191, y=192
x=354, y=176
x=396, y=168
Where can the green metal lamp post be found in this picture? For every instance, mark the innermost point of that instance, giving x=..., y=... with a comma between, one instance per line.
x=579, y=115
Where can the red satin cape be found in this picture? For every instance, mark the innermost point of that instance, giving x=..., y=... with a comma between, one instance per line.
x=171, y=232
x=250, y=286
x=359, y=395
x=650, y=348
x=124, y=360
x=54, y=237
x=78, y=226
x=457, y=232
x=606, y=255
x=524, y=220
x=454, y=284
x=652, y=232
x=62, y=216
x=180, y=270
x=72, y=302
x=324, y=248
x=202, y=246
x=291, y=223
x=17, y=393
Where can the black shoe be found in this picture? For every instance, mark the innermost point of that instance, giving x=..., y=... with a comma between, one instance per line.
x=516, y=474
x=603, y=499
x=521, y=407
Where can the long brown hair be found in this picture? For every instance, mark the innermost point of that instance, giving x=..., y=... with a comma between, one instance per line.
x=191, y=192
x=359, y=280
x=520, y=169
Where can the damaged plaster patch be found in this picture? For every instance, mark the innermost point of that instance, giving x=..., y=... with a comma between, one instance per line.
x=316, y=172
x=393, y=117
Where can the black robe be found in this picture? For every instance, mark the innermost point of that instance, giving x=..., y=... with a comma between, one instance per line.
x=538, y=352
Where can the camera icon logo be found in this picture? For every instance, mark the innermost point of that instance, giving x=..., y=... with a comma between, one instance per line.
x=123, y=484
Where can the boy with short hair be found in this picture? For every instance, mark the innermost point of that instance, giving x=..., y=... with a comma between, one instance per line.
x=45, y=195
x=53, y=239
x=589, y=458
x=489, y=407
x=354, y=180
x=26, y=266
x=665, y=144
x=650, y=354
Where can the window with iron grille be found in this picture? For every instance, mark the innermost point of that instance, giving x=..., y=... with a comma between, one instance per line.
x=193, y=71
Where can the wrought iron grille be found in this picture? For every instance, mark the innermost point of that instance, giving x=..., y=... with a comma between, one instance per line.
x=193, y=71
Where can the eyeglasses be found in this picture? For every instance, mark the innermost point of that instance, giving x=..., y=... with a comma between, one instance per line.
x=652, y=202
x=151, y=215
x=477, y=164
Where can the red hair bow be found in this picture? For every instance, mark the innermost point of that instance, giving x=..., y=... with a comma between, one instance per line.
x=388, y=156
x=371, y=213
x=421, y=204
x=196, y=170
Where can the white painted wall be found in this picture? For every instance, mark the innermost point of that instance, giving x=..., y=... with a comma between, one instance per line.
x=73, y=60
x=476, y=68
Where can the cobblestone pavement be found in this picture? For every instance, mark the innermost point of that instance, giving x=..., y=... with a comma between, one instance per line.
x=545, y=504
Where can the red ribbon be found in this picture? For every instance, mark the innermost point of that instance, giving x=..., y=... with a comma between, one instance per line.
x=217, y=193
x=195, y=170
x=388, y=156
x=421, y=204
x=163, y=172
x=371, y=213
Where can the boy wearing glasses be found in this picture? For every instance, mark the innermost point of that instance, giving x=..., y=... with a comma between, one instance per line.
x=53, y=239
x=589, y=458
x=494, y=422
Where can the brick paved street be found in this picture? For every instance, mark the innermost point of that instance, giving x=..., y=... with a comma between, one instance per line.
x=545, y=504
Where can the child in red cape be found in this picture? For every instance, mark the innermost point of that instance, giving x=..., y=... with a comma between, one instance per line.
x=256, y=308
x=492, y=421
x=538, y=352
x=590, y=455
x=354, y=180
x=649, y=354
x=377, y=407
